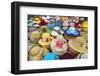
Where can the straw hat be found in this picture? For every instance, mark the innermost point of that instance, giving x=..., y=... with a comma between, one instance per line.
x=35, y=50
x=84, y=34
x=78, y=44
x=45, y=50
x=35, y=36
x=36, y=53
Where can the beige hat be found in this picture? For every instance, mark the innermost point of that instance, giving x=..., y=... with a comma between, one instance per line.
x=39, y=56
x=36, y=57
x=35, y=50
x=35, y=34
x=35, y=53
x=45, y=50
x=78, y=44
x=84, y=34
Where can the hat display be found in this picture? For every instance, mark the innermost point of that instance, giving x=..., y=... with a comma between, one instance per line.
x=57, y=37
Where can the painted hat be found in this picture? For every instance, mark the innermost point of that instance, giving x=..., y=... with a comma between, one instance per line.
x=45, y=40
x=59, y=46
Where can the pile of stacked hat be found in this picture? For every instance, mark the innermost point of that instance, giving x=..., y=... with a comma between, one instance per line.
x=57, y=37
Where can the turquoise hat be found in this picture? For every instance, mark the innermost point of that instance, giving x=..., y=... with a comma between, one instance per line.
x=51, y=56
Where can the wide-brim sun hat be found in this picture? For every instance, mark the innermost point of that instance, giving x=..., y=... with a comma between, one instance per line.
x=78, y=44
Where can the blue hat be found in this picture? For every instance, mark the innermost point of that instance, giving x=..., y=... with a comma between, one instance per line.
x=72, y=32
x=51, y=25
x=51, y=56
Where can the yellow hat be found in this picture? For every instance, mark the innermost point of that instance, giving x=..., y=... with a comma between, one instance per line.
x=62, y=18
x=46, y=35
x=37, y=20
x=35, y=34
x=85, y=25
x=45, y=43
